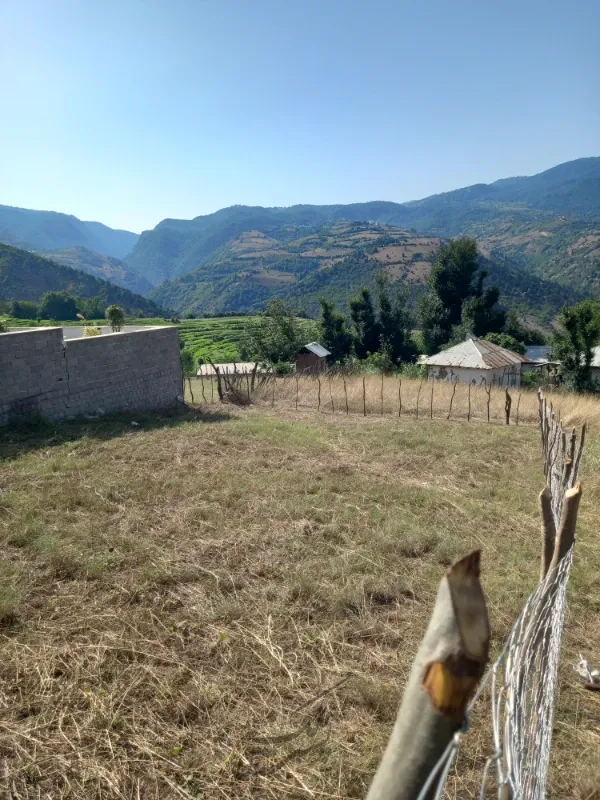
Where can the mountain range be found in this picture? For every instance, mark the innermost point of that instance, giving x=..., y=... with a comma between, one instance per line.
x=539, y=237
x=27, y=276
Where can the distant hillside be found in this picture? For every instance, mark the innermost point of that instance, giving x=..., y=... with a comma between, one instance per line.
x=26, y=276
x=104, y=267
x=50, y=230
x=332, y=261
x=569, y=192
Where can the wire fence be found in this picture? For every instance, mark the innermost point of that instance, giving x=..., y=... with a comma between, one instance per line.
x=523, y=678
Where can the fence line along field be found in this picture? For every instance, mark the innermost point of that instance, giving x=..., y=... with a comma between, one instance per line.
x=394, y=396
x=225, y=603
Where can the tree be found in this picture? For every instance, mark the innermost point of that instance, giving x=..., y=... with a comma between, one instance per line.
x=395, y=323
x=457, y=303
x=276, y=337
x=334, y=333
x=367, y=330
x=572, y=346
x=92, y=307
x=188, y=368
x=116, y=317
x=23, y=309
x=58, y=305
x=434, y=328
x=506, y=341
x=515, y=328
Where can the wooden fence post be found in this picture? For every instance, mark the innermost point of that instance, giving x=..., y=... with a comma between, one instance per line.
x=331, y=397
x=507, y=405
x=319, y=394
x=469, y=406
x=346, y=396
x=447, y=668
x=297, y=380
x=431, y=401
x=248, y=386
x=518, y=404
x=381, y=407
x=418, y=396
x=489, y=399
x=400, y=397
x=212, y=390
x=452, y=398
x=273, y=393
x=202, y=387
x=364, y=398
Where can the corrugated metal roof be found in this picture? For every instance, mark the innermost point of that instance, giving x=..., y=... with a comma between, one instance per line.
x=538, y=353
x=317, y=349
x=475, y=353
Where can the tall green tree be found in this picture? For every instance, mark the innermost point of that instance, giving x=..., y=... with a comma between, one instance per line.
x=395, y=323
x=457, y=303
x=334, y=333
x=276, y=337
x=58, y=305
x=367, y=330
x=573, y=343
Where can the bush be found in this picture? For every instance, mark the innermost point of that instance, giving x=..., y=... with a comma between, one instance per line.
x=92, y=330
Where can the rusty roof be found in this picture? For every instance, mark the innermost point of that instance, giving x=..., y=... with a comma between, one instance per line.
x=475, y=353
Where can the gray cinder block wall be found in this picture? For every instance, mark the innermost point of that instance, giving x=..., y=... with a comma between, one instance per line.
x=39, y=373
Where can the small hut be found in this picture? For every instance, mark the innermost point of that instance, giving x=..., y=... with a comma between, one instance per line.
x=312, y=358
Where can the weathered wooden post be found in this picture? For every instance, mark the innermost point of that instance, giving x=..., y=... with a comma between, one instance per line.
x=400, y=397
x=431, y=401
x=297, y=389
x=346, y=396
x=364, y=398
x=488, y=391
x=469, y=406
x=319, y=394
x=381, y=407
x=418, y=396
x=331, y=396
x=452, y=399
x=507, y=405
x=445, y=673
x=518, y=404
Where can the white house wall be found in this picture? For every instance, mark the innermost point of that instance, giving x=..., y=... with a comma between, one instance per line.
x=509, y=376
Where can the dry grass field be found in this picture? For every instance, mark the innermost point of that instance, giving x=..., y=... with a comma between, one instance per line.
x=225, y=603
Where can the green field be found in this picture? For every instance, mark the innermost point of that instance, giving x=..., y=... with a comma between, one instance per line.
x=217, y=338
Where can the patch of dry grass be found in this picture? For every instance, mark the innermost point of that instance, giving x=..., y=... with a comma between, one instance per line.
x=228, y=605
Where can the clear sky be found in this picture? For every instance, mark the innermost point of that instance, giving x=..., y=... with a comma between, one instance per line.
x=130, y=111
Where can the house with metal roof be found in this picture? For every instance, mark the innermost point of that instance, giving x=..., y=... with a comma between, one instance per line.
x=312, y=358
x=476, y=361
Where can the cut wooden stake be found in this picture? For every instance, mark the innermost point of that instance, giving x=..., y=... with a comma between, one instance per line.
x=548, y=531
x=518, y=404
x=507, y=405
x=418, y=395
x=346, y=396
x=331, y=397
x=445, y=673
x=319, y=394
x=297, y=381
x=364, y=398
x=381, y=406
x=431, y=401
x=452, y=399
x=469, y=406
x=400, y=397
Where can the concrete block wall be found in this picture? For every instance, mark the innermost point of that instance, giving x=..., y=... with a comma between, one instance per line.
x=140, y=370
x=33, y=374
x=41, y=373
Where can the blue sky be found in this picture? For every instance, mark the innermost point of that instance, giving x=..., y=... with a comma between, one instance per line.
x=128, y=112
